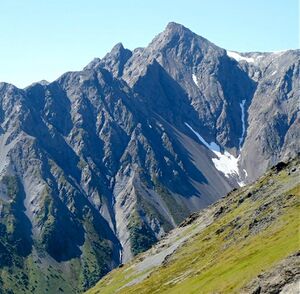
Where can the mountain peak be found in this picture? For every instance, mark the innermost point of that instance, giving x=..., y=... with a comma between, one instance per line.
x=175, y=27
x=115, y=60
x=117, y=48
x=176, y=35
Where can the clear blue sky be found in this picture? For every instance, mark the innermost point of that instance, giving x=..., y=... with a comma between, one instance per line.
x=41, y=39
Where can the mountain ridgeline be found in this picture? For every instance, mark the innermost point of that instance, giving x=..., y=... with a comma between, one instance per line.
x=98, y=165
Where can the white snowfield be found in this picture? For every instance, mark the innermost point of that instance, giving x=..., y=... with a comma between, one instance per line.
x=255, y=58
x=225, y=162
x=239, y=57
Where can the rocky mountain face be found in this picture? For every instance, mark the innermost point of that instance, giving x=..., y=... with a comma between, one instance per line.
x=98, y=165
x=246, y=243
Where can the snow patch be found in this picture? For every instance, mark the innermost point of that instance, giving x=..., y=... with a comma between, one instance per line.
x=212, y=146
x=225, y=162
x=195, y=80
x=239, y=57
x=242, y=105
x=274, y=72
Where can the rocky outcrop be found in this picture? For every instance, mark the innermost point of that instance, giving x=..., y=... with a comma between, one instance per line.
x=283, y=278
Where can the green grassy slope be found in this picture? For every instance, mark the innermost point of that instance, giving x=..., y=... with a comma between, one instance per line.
x=26, y=266
x=252, y=229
